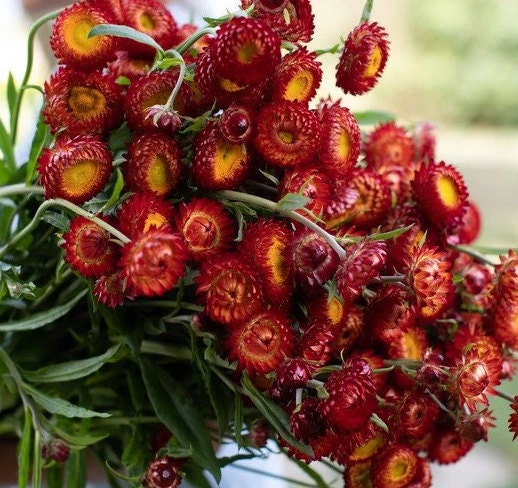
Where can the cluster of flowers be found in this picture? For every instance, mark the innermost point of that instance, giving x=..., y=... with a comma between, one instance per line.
x=329, y=262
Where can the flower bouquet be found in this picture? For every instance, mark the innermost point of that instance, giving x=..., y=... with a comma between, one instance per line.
x=197, y=251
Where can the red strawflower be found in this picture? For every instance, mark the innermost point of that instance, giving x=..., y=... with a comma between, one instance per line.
x=305, y=420
x=259, y=433
x=293, y=20
x=75, y=168
x=363, y=58
x=297, y=77
x=448, y=446
x=55, y=450
x=265, y=241
x=109, y=289
x=440, y=192
x=229, y=288
x=236, y=123
x=81, y=102
x=352, y=397
x=310, y=182
x=153, y=163
x=468, y=228
x=358, y=475
x=362, y=263
x=113, y=8
x=316, y=342
x=394, y=467
x=360, y=445
x=218, y=164
x=245, y=51
x=430, y=277
x=153, y=262
x=423, y=475
x=312, y=258
x=361, y=198
x=288, y=134
x=416, y=413
x=128, y=66
x=475, y=427
x=150, y=17
x=505, y=322
x=348, y=331
x=207, y=227
x=389, y=144
x=341, y=139
x=399, y=179
x=327, y=308
x=163, y=472
x=513, y=418
x=69, y=38
x=506, y=276
x=294, y=372
x=90, y=249
x=154, y=89
x=261, y=343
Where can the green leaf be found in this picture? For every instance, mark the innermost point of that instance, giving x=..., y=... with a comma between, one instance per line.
x=12, y=93
x=371, y=117
x=57, y=220
x=116, y=191
x=6, y=146
x=126, y=32
x=41, y=319
x=177, y=410
x=71, y=370
x=76, y=470
x=136, y=453
x=273, y=414
x=194, y=475
x=79, y=440
x=38, y=142
x=60, y=406
x=292, y=201
x=24, y=450
x=36, y=461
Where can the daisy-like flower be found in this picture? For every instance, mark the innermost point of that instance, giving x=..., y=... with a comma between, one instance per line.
x=312, y=258
x=448, y=446
x=109, y=289
x=293, y=20
x=150, y=90
x=153, y=163
x=316, y=342
x=89, y=249
x=430, y=277
x=288, y=134
x=358, y=475
x=265, y=241
x=236, y=123
x=153, y=262
x=245, y=50
x=310, y=182
x=505, y=321
x=218, y=164
x=348, y=331
x=416, y=413
x=389, y=144
x=69, y=38
x=441, y=193
x=112, y=8
x=297, y=77
x=475, y=376
x=230, y=289
x=143, y=211
x=395, y=467
x=351, y=397
x=131, y=67
x=363, y=58
x=75, y=168
x=360, y=445
x=81, y=102
x=513, y=418
x=468, y=228
x=261, y=343
x=361, y=198
x=153, y=18
x=208, y=229
x=341, y=139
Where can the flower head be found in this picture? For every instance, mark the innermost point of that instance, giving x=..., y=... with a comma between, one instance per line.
x=109, y=289
x=153, y=262
x=70, y=42
x=394, y=467
x=236, y=123
x=163, y=472
x=513, y=418
x=363, y=58
x=76, y=168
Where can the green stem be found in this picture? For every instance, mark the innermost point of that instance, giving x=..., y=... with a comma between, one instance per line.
x=367, y=10
x=505, y=396
x=28, y=69
x=20, y=189
x=191, y=40
x=273, y=207
x=59, y=202
x=474, y=254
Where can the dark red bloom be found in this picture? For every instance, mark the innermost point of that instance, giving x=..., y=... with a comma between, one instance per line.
x=163, y=472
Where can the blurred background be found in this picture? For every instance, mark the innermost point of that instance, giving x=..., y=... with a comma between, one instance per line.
x=454, y=64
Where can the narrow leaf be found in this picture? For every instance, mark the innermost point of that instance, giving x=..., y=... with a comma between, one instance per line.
x=126, y=32
x=57, y=220
x=76, y=470
x=12, y=93
x=292, y=201
x=24, y=450
x=6, y=146
x=42, y=318
x=36, y=461
x=38, y=142
x=177, y=410
x=71, y=370
x=273, y=414
x=60, y=406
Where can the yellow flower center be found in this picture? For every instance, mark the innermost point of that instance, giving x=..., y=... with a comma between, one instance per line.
x=448, y=191
x=158, y=176
x=229, y=86
x=368, y=449
x=344, y=145
x=76, y=29
x=247, y=52
x=86, y=102
x=374, y=63
x=286, y=137
x=335, y=310
x=228, y=158
x=276, y=261
x=154, y=219
x=298, y=88
x=77, y=179
x=146, y=22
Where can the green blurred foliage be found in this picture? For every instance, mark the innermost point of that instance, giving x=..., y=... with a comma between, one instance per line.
x=469, y=53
